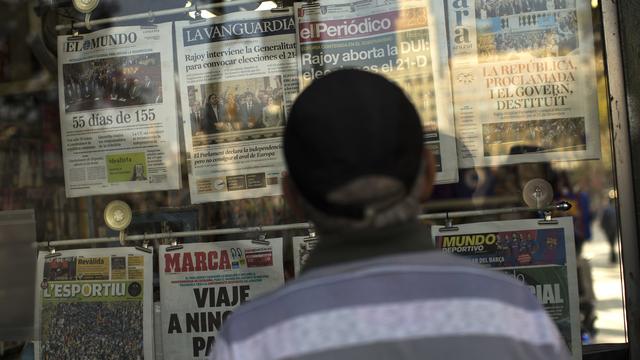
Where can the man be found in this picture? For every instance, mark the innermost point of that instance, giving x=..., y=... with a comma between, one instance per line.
x=371, y=289
x=148, y=88
x=212, y=121
x=123, y=89
x=195, y=117
x=138, y=173
x=250, y=111
x=135, y=92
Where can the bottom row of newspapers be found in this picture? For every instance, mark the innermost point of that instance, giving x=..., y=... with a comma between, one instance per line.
x=99, y=303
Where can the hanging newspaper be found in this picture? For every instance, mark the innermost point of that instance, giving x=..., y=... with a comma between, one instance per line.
x=524, y=83
x=237, y=81
x=117, y=111
x=403, y=40
x=542, y=256
x=201, y=284
x=302, y=247
x=95, y=304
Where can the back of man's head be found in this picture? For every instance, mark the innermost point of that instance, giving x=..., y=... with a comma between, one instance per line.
x=354, y=150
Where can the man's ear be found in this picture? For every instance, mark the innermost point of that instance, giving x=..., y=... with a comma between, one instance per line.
x=291, y=196
x=429, y=175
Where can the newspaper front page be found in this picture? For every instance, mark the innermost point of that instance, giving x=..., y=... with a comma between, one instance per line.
x=201, y=285
x=402, y=40
x=238, y=80
x=302, y=247
x=95, y=304
x=541, y=256
x=524, y=84
x=118, y=111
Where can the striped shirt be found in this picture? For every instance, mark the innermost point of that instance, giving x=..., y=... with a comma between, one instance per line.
x=418, y=305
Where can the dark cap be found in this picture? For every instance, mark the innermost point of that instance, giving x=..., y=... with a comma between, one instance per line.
x=347, y=125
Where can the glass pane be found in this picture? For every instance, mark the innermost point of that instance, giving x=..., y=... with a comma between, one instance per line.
x=32, y=171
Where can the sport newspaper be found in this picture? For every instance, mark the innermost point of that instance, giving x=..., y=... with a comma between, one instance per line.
x=201, y=285
x=541, y=256
x=117, y=111
x=302, y=247
x=94, y=304
x=402, y=40
x=524, y=84
x=238, y=79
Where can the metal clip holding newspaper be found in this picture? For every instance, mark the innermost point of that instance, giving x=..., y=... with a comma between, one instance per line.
x=174, y=246
x=52, y=251
x=145, y=244
x=261, y=239
x=537, y=195
x=448, y=224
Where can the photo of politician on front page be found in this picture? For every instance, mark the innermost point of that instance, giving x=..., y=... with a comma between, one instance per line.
x=524, y=84
x=237, y=81
x=118, y=111
x=402, y=40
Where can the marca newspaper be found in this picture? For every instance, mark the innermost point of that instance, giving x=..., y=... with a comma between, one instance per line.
x=117, y=111
x=95, y=304
x=237, y=81
x=524, y=84
x=403, y=40
x=302, y=247
x=541, y=256
x=201, y=284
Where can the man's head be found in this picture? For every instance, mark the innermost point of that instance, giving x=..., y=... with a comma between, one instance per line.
x=355, y=154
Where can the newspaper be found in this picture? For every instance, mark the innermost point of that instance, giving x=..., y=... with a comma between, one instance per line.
x=302, y=247
x=524, y=84
x=117, y=111
x=542, y=256
x=403, y=40
x=238, y=80
x=201, y=284
x=95, y=304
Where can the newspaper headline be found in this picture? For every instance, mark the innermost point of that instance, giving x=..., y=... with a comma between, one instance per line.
x=508, y=248
x=201, y=284
x=117, y=110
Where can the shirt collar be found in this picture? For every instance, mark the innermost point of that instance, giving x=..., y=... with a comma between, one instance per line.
x=365, y=244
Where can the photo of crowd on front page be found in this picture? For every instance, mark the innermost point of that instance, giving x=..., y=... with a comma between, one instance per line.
x=92, y=330
x=550, y=135
x=518, y=29
x=112, y=82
